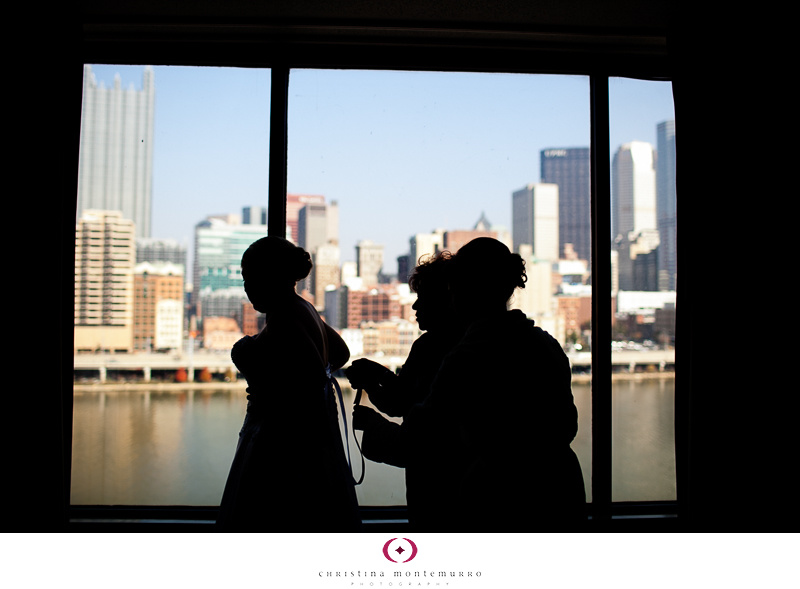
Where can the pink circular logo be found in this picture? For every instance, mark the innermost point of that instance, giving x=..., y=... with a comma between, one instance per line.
x=404, y=549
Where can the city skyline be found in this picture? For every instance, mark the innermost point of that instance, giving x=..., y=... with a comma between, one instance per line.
x=395, y=154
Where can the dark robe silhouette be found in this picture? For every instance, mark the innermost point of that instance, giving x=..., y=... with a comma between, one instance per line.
x=491, y=442
x=289, y=472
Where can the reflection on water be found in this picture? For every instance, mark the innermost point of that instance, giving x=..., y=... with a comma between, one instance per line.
x=643, y=441
x=175, y=447
x=154, y=448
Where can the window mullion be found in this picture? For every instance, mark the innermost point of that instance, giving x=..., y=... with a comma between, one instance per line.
x=601, y=298
x=278, y=125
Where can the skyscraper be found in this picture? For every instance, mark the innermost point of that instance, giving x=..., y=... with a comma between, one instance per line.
x=570, y=169
x=332, y=214
x=318, y=234
x=312, y=227
x=369, y=258
x=666, y=205
x=105, y=253
x=633, y=189
x=326, y=273
x=295, y=202
x=116, y=149
x=534, y=220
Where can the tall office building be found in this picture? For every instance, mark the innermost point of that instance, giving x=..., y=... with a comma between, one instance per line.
x=534, y=220
x=312, y=233
x=332, y=213
x=294, y=203
x=318, y=234
x=633, y=189
x=666, y=205
x=326, y=272
x=570, y=169
x=105, y=253
x=116, y=149
x=312, y=226
x=369, y=260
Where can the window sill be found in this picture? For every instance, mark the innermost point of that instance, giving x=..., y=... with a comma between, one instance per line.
x=626, y=517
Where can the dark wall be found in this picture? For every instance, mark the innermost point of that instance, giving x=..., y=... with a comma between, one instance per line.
x=732, y=473
x=561, y=14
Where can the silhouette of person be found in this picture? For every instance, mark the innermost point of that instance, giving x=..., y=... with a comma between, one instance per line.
x=496, y=428
x=395, y=394
x=289, y=472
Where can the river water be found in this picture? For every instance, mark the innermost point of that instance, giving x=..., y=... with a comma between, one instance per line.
x=174, y=447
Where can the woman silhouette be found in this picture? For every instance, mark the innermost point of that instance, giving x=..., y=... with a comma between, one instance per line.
x=494, y=432
x=289, y=472
x=503, y=415
x=396, y=394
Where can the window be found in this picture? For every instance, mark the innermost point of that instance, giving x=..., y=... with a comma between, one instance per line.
x=644, y=277
x=404, y=161
x=136, y=439
x=417, y=162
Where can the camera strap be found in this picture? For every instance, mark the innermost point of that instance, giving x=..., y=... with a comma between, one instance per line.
x=340, y=398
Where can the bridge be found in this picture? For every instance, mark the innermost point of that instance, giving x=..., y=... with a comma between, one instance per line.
x=147, y=367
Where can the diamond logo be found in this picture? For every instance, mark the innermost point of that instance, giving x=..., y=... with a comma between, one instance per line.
x=400, y=550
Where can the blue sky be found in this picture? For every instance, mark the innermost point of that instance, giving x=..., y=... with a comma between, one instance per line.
x=401, y=152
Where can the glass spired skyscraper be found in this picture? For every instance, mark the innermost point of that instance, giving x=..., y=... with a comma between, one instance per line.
x=116, y=151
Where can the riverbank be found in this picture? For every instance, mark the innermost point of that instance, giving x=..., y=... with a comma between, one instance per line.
x=160, y=386
x=627, y=376
x=241, y=385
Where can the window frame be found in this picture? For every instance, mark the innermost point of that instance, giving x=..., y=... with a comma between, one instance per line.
x=640, y=55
